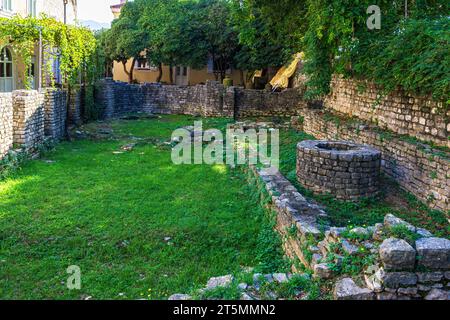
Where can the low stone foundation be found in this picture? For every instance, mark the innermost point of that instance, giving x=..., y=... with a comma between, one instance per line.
x=28, y=118
x=396, y=259
x=417, y=167
x=346, y=170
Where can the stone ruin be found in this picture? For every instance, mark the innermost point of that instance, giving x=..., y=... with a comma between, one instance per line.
x=347, y=170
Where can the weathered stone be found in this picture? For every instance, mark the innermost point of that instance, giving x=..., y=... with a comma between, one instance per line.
x=323, y=271
x=280, y=277
x=378, y=233
x=348, y=247
x=386, y=296
x=397, y=254
x=361, y=232
x=242, y=286
x=373, y=283
x=180, y=297
x=424, y=288
x=246, y=297
x=428, y=277
x=437, y=294
x=316, y=259
x=268, y=278
x=219, y=282
x=447, y=275
x=395, y=280
x=346, y=289
x=391, y=221
x=424, y=233
x=434, y=253
x=411, y=291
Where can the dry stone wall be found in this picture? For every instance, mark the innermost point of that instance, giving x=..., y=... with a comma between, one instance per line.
x=55, y=113
x=209, y=100
x=402, y=113
x=418, y=168
x=6, y=123
x=416, y=266
x=28, y=118
x=75, y=105
x=257, y=103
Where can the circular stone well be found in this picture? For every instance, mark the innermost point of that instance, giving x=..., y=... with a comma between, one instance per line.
x=346, y=170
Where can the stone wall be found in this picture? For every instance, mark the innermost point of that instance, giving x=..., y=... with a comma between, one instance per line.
x=55, y=113
x=28, y=118
x=75, y=105
x=255, y=103
x=418, y=168
x=210, y=100
x=6, y=123
x=416, y=116
x=416, y=266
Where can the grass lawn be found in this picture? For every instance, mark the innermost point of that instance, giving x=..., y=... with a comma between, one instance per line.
x=109, y=213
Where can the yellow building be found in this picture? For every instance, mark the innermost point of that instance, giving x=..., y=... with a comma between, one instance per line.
x=182, y=75
x=12, y=69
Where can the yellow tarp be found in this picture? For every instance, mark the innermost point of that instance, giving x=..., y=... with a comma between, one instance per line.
x=281, y=79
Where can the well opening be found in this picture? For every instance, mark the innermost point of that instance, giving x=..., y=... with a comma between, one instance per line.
x=336, y=146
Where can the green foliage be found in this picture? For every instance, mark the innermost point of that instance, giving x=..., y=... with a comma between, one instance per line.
x=75, y=45
x=11, y=163
x=402, y=232
x=269, y=254
x=414, y=56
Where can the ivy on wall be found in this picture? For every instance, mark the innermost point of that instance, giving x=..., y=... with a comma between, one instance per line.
x=74, y=45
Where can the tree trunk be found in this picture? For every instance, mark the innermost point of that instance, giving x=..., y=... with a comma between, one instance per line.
x=130, y=79
x=160, y=74
x=171, y=75
x=241, y=75
x=129, y=73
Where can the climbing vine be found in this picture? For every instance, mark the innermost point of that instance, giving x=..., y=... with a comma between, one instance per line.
x=74, y=46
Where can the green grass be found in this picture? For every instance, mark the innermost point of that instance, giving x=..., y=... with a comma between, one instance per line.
x=109, y=214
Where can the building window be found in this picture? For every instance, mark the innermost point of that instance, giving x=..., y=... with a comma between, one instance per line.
x=31, y=8
x=143, y=64
x=6, y=71
x=32, y=73
x=7, y=5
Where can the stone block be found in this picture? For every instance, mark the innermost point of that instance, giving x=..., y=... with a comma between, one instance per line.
x=397, y=254
x=346, y=289
x=434, y=253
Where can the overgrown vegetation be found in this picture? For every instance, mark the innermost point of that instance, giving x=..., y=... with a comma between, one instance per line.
x=410, y=50
x=74, y=45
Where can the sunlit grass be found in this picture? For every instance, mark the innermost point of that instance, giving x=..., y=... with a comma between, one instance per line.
x=111, y=213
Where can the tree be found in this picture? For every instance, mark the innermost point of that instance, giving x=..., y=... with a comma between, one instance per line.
x=219, y=40
x=126, y=40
